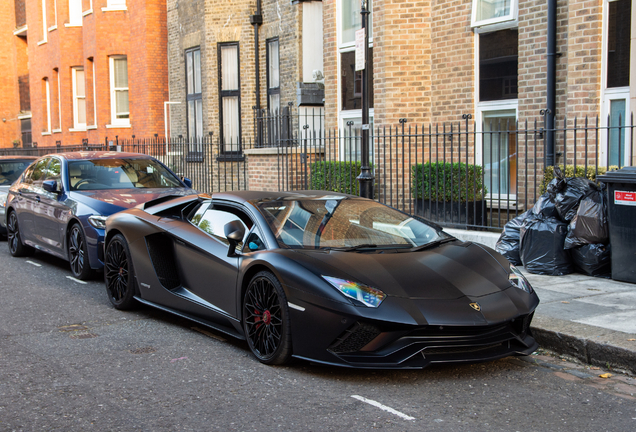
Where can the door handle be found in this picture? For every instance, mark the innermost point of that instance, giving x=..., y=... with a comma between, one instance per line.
x=37, y=198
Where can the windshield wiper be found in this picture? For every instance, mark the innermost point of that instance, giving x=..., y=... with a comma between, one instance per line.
x=353, y=248
x=431, y=244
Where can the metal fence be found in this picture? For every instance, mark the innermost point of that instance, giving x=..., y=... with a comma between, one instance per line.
x=459, y=174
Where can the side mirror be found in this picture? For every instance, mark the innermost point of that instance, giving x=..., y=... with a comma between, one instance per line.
x=50, y=186
x=187, y=182
x=234, y=232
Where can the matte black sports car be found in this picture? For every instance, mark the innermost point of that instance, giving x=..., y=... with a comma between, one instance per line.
x=326, y=277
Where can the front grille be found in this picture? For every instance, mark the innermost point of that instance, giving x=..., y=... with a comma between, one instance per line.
x=461, y=350
x=355, y=338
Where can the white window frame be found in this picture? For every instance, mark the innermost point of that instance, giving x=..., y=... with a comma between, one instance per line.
x=115, y=5
x=114, y=121
x=77, y=126
x=75, y=14
x=45, y=29
x=230, y=147
x=47, y=86
x=59, y=103
x=90, y=9
x=610, y=94
x=498, y=23
x=483, y=109
x=345, y=116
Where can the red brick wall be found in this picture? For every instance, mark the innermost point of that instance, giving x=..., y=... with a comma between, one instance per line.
x=9, y=94
x=138, y=33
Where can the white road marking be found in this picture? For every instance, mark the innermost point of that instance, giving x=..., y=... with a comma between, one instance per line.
x=383, y=407
x=76, y=280
x=34, y=263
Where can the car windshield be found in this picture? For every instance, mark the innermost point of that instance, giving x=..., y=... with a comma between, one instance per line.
x=334, y=222
x=10, y=170
x=124, y=173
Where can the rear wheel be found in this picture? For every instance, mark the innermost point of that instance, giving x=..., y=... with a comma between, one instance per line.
x=119, y=274
x=266, y=319
x=78, y=253
x=14, y=239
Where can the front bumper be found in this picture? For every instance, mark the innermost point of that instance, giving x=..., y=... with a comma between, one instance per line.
x=399, y=338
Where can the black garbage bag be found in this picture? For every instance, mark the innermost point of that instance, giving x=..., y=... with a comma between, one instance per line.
x=589, y=225
x=557, y=184
x=541, y=246
x=593, y=260
x=508, y=243
x=567, y=201
x=545, y=206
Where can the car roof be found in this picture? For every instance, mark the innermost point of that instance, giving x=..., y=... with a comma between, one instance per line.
x=260, y=196
x=17, y=157
x=87, y=155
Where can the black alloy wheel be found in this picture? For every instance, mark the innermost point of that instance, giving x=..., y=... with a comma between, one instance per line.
x=14, y=239
x=78, y=254
x=266, y=320
x=118, y=274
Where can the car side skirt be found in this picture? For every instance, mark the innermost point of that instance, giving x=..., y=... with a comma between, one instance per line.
x=223, y=329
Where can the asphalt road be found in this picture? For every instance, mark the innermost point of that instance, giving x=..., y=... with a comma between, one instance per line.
x=70, y=362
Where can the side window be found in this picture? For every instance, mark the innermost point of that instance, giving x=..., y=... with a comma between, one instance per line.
x=253, y=242
x=212, y=220
x=38, y=172
x=54, y=171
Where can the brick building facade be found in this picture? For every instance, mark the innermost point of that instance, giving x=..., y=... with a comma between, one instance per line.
x=97, y=69
x=14, y=89
x=438, y=62
x=214, y=86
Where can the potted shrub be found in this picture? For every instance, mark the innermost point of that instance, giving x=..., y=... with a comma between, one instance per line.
x=336, y=176
x=16, y=143
x=452, y=193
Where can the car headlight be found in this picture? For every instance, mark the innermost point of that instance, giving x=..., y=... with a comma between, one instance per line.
x=517, y=279
x=98, y=222
x=3, y=199
x=368, y=296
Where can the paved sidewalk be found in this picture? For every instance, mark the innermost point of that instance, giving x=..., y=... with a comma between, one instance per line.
x=592, y=319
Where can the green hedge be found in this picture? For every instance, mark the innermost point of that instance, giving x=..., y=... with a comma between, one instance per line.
x=335, y=176
x=433, y=177
x=568, y=171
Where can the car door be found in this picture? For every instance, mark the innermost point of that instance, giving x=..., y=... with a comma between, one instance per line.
x=202, y=255
x=27, y=198
x=51, y=214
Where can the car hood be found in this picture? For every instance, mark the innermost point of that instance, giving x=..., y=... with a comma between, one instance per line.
x=119, y=199
x=449, y=271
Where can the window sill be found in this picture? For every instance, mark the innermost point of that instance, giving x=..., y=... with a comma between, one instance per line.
x=501, y=25
x=116, y=126
x=42, y=42
x=237, y=157
x=54, y=27
x=88, y=12
x=56, y=131
x=77, y=130
x=72, y=25
x=113, y=9
x=46, y=133
x=19, y=31
x=91, y=127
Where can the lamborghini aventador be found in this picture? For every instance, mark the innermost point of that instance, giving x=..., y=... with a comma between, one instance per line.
x=326, y=277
